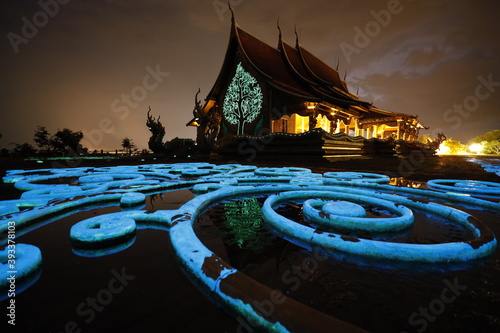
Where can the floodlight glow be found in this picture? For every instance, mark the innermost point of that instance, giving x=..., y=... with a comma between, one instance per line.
x=476, y=148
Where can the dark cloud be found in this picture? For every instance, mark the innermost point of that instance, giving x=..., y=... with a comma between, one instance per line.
x=423, y=59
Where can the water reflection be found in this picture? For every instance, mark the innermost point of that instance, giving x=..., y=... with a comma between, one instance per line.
x=168, y=200
x=243, y=225
x=403, y=182
x=102, y=251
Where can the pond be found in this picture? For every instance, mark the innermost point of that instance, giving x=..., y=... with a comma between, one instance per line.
x=215, y=249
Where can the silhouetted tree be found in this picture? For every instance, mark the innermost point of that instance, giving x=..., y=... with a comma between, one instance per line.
x=66, y=141
x=42, y=140
x=129, y=145
x=23, y=150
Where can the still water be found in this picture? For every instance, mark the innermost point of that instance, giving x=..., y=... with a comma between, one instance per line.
x=143, y=288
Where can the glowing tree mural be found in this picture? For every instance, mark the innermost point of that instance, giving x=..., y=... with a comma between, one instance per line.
x=243, y=99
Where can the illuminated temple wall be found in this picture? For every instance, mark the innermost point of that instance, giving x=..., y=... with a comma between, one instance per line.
x=296, y=124
x=250, y=106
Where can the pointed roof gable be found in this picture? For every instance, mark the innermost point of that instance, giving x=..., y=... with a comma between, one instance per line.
x=268, y=61
x=295, y=71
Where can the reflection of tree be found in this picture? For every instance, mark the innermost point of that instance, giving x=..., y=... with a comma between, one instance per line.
x=244, y=223
x=153, y=197
x=243, y=99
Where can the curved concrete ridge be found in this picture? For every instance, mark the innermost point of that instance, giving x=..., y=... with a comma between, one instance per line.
x=111, y=233
x=449, y=197
x=28, y=264
x=403, y=219
x=44, y=207
x=102, y=230
x=236, y=292
x=284, y=171
x=483, y=245
x=473, y=187
x=132, y=199
x=343, y=177
x=219, y=280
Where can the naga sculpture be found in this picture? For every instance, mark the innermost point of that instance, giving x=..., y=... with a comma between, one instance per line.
x=157, y=130
x=208, y=124
x=435, y=143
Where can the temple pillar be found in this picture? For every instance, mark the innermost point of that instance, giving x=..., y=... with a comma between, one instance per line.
x=375, y=130
x=398, y=133
x=356, y=127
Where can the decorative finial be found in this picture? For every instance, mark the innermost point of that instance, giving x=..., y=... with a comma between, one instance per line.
x=231, y=10
x=338, y=62
x=345, y=74
x=278, y=25
x=296, y=35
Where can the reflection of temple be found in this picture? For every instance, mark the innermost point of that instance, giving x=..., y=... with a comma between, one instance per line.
x=283, y=92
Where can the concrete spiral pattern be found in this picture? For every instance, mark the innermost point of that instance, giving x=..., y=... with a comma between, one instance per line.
x=472, y=187
x=335, y=206
x=351, y=215
x=309, y=237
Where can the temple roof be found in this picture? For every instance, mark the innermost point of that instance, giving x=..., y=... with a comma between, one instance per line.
x=294, y=71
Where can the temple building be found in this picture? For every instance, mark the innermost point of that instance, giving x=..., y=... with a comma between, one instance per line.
x=294, y=101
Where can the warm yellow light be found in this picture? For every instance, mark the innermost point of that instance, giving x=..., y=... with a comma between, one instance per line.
x=311, y=106
x=476, y=148
x=443, y=150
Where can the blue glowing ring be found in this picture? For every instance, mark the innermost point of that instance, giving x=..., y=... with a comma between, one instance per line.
x=205, y=188
x=357, y=177
x=351, y=216
x=227, y=167
x=132, y=199
x=95, y=179
x=180, y=167
x=308, y=237
x=102, y=231
x=306, y=181
x=27, y=262
x=196, y=172
x=228, y=287
x=473, y=187
x=32, y=182
x=281, y=171
x=6, y=209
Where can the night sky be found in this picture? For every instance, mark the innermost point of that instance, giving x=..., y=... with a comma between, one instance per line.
x=96, y=66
